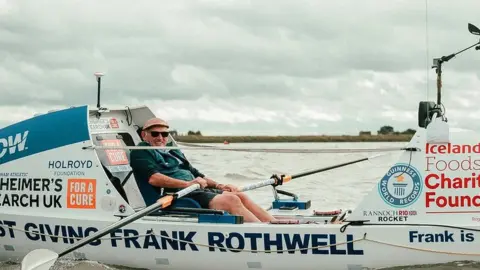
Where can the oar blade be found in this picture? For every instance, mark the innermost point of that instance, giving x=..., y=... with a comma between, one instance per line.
x=39, y=259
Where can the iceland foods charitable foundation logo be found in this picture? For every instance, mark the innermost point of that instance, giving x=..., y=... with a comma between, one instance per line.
x=401, y=186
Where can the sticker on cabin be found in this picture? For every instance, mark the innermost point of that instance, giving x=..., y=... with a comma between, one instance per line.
x=99, y=124
x=113, y=123
x=119, y=168
x=81, y=193
x=390, y=215
x=401, y=186
x=115, y=156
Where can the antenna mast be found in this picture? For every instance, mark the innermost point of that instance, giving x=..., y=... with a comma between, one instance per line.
x=98, y=75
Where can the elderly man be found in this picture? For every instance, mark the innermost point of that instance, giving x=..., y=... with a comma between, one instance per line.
x=157, y=169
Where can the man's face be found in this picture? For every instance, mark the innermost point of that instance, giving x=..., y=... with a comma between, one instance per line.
x=156, y=136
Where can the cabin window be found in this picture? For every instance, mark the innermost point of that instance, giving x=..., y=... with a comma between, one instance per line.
x=127, y=138
x=116, y=164
x=115, y=160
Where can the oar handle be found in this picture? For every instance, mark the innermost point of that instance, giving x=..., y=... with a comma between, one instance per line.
x=186, y=190
x=258, y=184
x=161, y=203
x=272, y=181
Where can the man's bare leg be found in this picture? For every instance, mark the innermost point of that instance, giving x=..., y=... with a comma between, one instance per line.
x=258, y=211
x=233, y=204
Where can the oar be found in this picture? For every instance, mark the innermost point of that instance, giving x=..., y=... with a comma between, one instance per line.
x=254, y=150
x=287, y=178
x=43, y=259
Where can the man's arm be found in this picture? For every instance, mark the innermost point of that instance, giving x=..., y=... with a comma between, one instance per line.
x=142, y=163
x=160, y=180
x=212, y=184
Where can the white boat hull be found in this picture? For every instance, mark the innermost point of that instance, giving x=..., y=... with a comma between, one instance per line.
x=242, y=246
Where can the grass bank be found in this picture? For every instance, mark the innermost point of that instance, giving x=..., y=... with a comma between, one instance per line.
x=307, y=138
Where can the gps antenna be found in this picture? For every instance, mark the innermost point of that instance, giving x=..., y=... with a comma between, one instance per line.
x=99, y=78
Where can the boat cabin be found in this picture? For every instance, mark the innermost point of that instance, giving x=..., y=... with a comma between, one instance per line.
x=119, y=127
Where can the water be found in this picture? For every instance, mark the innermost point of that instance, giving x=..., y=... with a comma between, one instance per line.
x=339, y=188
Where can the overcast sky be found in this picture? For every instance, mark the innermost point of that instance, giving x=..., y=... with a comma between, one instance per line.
x=242, y=67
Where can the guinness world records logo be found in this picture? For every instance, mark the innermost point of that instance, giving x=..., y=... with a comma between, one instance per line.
x=401, y=186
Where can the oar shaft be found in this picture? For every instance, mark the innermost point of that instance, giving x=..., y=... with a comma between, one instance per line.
x=255, y=150
x=327, y=168
x=159, y=204
x=290, y=177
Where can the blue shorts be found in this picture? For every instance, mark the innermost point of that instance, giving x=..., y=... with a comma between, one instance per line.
x=204, y=197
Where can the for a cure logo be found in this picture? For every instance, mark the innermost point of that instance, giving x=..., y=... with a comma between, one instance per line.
x=81, y=193
x=401, y=186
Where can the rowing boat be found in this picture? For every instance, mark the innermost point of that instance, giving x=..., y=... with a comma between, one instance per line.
x=67, y=190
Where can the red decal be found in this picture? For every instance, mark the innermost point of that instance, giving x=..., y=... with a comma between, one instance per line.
x=115, y=156
x=113, y=123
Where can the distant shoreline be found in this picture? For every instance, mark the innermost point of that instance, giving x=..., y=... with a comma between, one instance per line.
x=306, y=138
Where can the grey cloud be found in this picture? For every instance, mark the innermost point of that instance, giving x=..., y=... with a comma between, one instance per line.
x=359, y=63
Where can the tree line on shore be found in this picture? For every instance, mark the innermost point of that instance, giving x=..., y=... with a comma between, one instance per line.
x=384, y=134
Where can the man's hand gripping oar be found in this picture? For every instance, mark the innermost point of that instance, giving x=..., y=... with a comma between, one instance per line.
x=276, y=180
x=43, y=259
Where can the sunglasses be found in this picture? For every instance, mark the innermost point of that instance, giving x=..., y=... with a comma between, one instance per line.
x=156, y=133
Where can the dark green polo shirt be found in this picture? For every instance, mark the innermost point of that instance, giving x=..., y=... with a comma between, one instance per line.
x=145, y=163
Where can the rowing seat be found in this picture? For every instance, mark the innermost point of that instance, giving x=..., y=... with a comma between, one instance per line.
x=122, y=170
x=185, y=203
x=150, y=195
